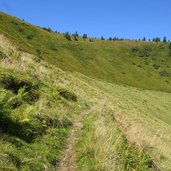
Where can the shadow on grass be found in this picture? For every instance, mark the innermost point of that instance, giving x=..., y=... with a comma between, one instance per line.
x=24, y=131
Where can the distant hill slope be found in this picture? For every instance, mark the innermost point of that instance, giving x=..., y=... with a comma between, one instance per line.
x=140, y=64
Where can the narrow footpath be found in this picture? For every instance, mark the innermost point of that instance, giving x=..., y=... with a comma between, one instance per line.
x=67, y=162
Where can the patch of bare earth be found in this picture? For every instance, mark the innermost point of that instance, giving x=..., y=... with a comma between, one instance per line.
x=67, y=162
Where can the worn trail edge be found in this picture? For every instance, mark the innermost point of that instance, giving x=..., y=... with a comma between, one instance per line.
x=67, y=162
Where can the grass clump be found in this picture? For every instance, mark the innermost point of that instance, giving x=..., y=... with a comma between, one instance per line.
x=23, y=87
x=103, y=147
x=2, y=56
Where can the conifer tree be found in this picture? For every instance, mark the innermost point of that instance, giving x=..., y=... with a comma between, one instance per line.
x=164, y=39
x=144, y=39
x=84, y=36
x=102, y=38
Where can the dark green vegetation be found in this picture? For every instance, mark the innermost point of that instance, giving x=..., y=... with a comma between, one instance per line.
x=32, y=136
x=128, y=62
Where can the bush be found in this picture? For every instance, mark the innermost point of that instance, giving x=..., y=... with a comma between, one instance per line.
x=67, y=36
x=84, y=36
x=15, y=103
x=155, y=66
x=49, y=121
x=164, y=73
x=2, y=56
x=47, y=29
x=30, y=37
x=134, y=49
x=145, y=52
x=67, y=95
x=13, y=84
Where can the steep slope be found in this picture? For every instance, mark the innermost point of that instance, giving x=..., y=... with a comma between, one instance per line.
x=139, y=64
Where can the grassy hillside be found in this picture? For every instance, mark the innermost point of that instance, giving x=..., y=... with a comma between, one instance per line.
x=38, y=104
x=53, y=90
x=139, y=64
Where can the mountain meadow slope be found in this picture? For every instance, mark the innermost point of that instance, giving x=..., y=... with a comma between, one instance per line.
x=117, y=94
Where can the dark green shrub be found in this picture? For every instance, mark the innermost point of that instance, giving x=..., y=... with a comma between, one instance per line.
x=139, y=66
x=14, y=159
x=13, y=84
x=164, y=73
x=32, y=96
x=67, y=36
x=145, y=52
x=15, y=103
x=155, y=66
x=14, y=22
x=67, y=95
x=134, y=49
x=3, y=56
x=14, y=128
x=30, y=37
x=49, y=121
x=47, y=29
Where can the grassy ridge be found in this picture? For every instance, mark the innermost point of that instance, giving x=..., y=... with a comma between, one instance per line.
x=139, y=64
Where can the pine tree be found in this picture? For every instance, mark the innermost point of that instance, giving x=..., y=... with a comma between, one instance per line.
x=102, y=38
x=164, y=39
x=84, y=36
x=144, y=39
x=75, y=35
x=75, y=38
x=110, y=38
x=114, y=38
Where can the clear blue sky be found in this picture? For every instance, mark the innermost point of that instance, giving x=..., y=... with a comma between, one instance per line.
x=121, y=18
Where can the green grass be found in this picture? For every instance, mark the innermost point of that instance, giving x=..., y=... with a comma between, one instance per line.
x=127, y=62
x=32, y=135
x=102, y=147
x=45, y=80
x=35, y=116
x=141, y=115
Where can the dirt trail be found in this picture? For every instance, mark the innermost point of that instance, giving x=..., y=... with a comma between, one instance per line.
x=67, y=162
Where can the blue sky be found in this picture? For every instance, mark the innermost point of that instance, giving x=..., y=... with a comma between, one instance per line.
x=121, y=18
